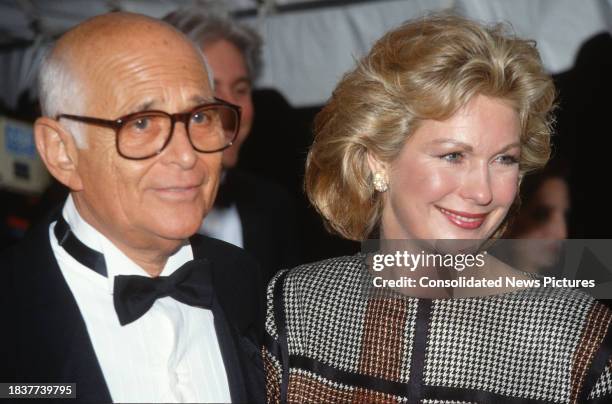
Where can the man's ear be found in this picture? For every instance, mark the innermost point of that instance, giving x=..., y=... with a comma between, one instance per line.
x=58, y=150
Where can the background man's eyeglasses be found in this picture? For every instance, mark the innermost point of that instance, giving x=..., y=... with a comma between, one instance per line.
x=211, y=128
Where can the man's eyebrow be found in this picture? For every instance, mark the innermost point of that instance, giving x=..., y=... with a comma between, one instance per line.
x=241, y=80
x=148, y=105
x=145, y=106
x=238, y=81
x=198, y=99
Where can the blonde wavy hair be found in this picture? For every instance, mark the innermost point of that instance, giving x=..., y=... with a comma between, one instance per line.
x=425, y=69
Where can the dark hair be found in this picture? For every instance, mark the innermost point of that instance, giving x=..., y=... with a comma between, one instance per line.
x=556, y=168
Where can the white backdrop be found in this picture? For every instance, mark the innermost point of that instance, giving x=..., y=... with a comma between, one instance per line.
x=307, y=51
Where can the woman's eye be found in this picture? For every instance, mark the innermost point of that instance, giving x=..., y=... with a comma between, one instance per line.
x=454, y=157
x=508, y=159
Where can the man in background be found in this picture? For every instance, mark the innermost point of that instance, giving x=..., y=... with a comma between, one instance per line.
x=249, y=211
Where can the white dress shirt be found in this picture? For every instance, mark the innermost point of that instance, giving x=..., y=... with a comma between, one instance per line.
x=170, y=354
x=224, y=224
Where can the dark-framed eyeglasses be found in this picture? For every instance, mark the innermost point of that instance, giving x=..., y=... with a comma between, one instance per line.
x=211, y=128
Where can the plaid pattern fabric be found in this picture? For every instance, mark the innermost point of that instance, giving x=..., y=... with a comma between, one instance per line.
x=333, y=337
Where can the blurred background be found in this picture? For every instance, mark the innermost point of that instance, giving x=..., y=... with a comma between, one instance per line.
x=308, y=45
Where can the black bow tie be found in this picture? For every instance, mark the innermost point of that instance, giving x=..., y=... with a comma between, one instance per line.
x=190, y=284
x=134, y=295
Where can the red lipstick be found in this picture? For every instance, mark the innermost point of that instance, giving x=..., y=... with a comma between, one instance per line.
x=464, y=220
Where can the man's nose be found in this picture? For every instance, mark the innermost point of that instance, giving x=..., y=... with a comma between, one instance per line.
x=557, y=227
x=476, y=184
x=179, y=150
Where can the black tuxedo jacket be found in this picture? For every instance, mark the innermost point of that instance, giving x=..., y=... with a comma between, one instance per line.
x=268, y=218
x=44, y=337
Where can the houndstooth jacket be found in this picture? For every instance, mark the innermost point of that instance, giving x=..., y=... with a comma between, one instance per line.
x=332, y=337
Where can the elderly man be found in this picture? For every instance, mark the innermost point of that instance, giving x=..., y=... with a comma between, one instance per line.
x=249, y=211
x=115, y=296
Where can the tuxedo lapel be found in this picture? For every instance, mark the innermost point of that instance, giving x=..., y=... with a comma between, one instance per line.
x=229, y=351
x=251, y=224
x=236, y=320
x=53, y=345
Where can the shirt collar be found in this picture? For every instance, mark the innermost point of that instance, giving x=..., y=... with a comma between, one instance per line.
x=117, y=263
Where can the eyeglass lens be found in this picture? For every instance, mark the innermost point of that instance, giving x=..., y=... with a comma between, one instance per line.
x=211, y=128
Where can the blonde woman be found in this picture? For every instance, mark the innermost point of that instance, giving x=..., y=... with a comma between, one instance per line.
x=428, y=138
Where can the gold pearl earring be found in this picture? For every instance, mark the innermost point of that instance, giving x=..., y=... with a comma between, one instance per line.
x=380, y=181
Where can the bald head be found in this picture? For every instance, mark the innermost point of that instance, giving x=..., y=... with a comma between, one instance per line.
x=82, y=61
x=112, y=33
x=105, y=70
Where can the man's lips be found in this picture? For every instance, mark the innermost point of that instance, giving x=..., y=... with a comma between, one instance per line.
x=465, y=220
x=178, y=191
